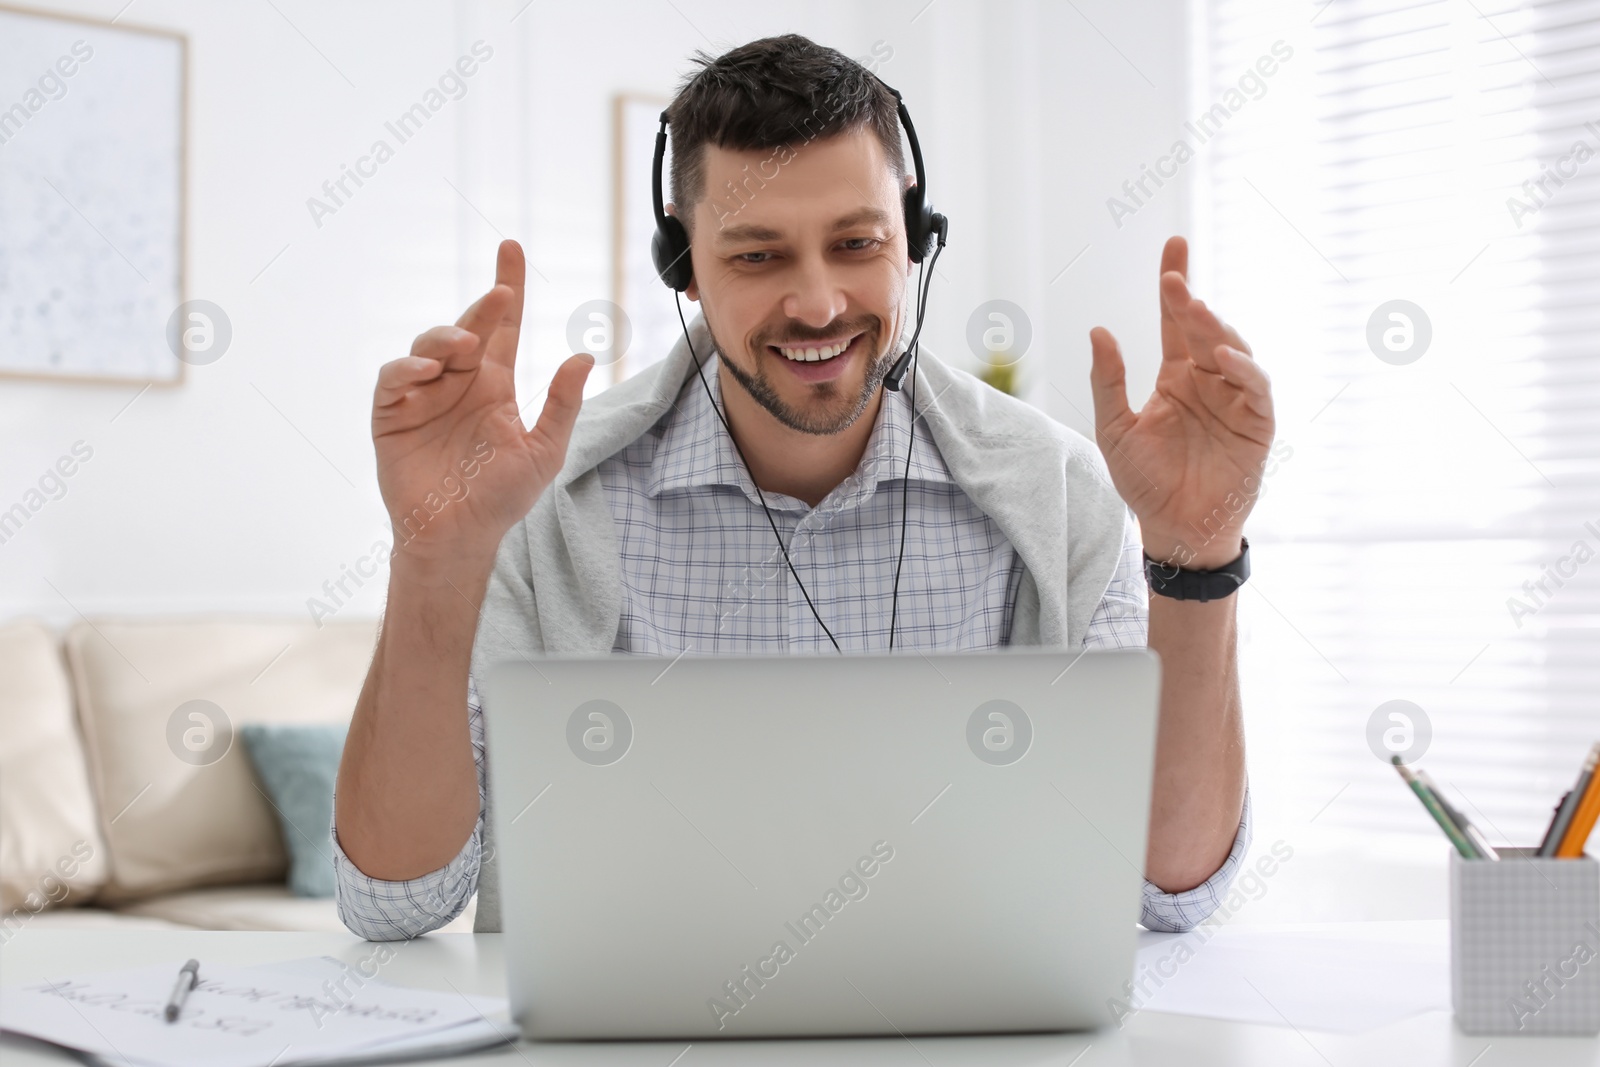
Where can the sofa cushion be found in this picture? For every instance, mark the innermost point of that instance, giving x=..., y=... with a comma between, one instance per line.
x=160, y=703
x=257, y=907
x=50, y=844
x=297, y=764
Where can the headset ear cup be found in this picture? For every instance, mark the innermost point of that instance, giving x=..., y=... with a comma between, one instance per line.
x=919, y=224
x=670, y=250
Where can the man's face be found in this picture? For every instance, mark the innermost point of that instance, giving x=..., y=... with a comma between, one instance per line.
x=808, y=259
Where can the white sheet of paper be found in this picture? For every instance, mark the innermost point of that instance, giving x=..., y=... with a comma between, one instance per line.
x=329, y=968
x=244, y=1016
x=1343, y=977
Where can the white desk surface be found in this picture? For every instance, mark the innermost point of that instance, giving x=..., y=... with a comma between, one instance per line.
x=473, y=963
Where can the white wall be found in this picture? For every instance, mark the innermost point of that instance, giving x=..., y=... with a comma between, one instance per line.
x=252, y=484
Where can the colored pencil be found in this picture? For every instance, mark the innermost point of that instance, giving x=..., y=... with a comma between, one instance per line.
x=1429, y=801
x=1569, y=807
x=1479, y=842
x=1583, y=816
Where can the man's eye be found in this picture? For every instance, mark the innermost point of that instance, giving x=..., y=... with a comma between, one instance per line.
x=860, y=244
x=754, y=257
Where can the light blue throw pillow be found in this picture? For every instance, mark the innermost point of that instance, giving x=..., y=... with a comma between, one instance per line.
x=297, y=766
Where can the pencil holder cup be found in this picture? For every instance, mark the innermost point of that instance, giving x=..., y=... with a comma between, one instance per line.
x=1525, y=944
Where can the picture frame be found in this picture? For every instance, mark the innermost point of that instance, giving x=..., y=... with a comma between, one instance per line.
x=93, y=199
x=635, y=286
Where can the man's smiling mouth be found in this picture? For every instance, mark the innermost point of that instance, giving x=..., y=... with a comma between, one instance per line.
x=814, y=353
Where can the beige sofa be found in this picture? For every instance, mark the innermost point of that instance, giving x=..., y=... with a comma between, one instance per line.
x=117, y=808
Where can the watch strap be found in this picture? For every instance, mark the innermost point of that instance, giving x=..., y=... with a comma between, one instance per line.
x=1181, y=583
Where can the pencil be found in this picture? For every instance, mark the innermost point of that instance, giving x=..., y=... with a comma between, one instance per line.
x=1471, y=832
x=1569, y=806
x=1429, y=801
x=1583, y=818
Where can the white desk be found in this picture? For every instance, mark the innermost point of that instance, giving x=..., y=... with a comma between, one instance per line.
x=473, y=964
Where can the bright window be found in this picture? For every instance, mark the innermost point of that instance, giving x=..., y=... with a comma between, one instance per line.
x=1439, y=153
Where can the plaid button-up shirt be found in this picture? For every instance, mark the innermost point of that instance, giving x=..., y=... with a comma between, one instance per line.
x=702, y=573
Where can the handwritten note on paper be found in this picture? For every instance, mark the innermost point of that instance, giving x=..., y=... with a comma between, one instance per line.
x=236, y=1017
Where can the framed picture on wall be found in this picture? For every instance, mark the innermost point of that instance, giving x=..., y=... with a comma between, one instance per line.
x=92, y=148
x=636, y=288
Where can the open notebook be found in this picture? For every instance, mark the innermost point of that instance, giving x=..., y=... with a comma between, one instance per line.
x=317, y=1010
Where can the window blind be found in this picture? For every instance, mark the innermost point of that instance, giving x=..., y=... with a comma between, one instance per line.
x=1434, y=535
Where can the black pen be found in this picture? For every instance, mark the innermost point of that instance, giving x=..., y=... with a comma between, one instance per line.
x=1547, y=844
x=188, y=978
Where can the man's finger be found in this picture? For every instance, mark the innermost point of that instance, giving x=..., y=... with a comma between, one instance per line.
x=510, y=272
x=482, y=322
x=1240, y=397
x=1175, y=256
x=1196, y=327
x=1172, y=290
x=398, y=377
x=1254, y=384
x=450, y=345
x=1174, y=297
x=560, y=413
x=485, y=314
x=1108, y=382
x=1234, y=340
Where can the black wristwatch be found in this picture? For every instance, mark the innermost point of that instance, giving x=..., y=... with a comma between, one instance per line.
x=1181, y=584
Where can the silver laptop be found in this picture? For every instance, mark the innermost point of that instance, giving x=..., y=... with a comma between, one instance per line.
x=762, y=846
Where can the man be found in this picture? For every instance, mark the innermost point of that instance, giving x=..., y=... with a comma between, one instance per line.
x=639, y=527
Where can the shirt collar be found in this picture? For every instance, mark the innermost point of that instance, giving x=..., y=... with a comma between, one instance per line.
x=695, y=450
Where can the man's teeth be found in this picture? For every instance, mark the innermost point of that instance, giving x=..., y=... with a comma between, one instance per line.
x=813, y=355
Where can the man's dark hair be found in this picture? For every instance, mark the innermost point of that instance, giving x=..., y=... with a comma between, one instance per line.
x=771, y=93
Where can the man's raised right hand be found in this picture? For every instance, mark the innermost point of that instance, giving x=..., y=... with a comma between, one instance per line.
x=455, y=466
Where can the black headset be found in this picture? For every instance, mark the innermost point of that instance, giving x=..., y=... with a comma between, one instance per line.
x=926, y=230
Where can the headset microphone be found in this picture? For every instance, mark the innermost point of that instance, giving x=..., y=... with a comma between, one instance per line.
x=895, y=378
x=925, y=232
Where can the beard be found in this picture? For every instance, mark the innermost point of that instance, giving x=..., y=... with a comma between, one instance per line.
x=833, y=411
